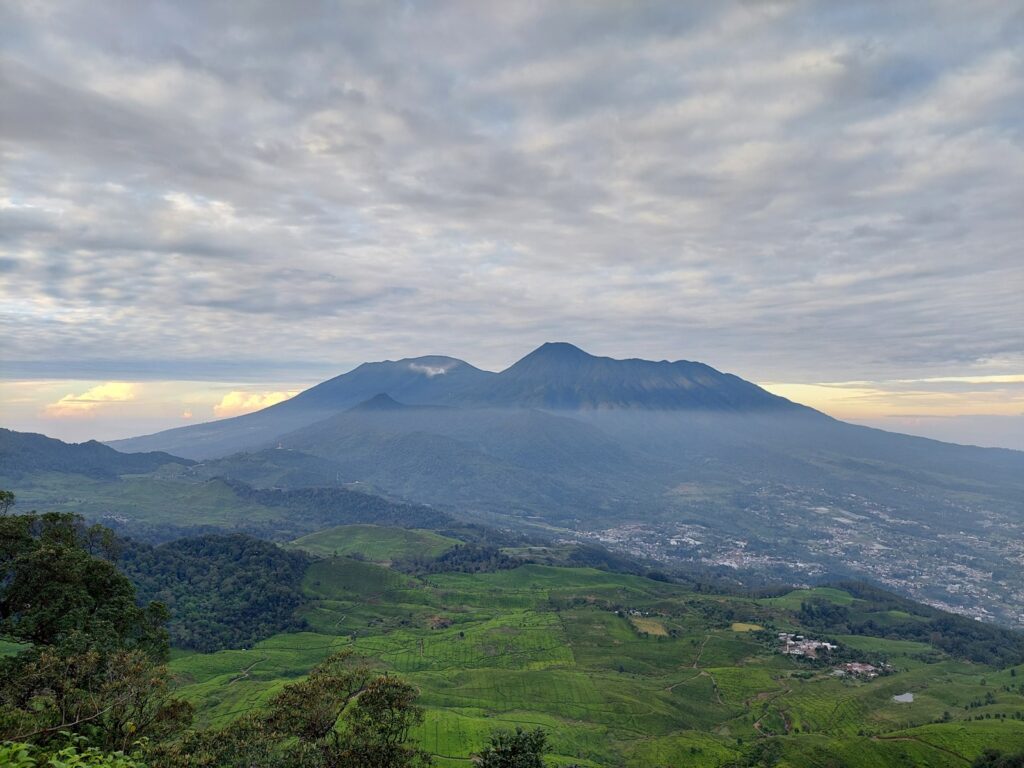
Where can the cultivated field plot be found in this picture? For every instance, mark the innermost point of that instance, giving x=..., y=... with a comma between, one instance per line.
x=226, y=684
x=375, y=543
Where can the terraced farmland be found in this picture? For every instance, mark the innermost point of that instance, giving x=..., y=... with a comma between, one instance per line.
x=564, y=649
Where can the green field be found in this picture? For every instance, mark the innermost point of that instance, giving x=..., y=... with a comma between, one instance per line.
x=375, y=543
x=793, y=599
x=7, y=648
x=563, y=649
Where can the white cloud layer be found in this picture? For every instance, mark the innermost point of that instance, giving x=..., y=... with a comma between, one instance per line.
x=87, y=403
x=236, y=403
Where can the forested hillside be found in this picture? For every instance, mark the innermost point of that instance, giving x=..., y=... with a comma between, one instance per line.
x=220, y=591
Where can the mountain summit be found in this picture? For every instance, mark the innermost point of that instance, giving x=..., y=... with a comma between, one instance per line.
x=380, y=402
x=555, y=353
x=561, y=376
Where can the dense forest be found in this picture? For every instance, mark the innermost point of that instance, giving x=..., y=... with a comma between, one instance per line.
x=221, y=591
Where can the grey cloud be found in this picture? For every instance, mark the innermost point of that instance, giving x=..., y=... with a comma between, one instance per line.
x=815, y=190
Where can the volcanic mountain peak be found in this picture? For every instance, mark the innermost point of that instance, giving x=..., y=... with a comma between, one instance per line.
x=380, y=402
x=555, y=376
x=425, y=365
x=558, y=351
x=559, y=375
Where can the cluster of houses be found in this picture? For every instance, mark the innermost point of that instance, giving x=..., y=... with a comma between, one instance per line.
x=798, y=645
x=857, y=669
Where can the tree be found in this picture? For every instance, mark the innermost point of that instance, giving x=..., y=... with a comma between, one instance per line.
x=93, y=662
x=341, y=715
x=992, y=758
x=6, y=501
x=60, y=586
x=379, y=725
x=522, y=749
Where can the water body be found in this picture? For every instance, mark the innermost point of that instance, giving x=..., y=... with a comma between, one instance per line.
x=904, y=698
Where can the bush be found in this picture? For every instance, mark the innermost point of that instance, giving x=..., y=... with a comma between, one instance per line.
x=75, y=755
x=522, y=749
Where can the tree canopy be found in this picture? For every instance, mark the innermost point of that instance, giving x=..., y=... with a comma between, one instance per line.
x=92, y=664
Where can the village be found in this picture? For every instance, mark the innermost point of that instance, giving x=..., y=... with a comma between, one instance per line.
x=804, y=647
x=798, y=645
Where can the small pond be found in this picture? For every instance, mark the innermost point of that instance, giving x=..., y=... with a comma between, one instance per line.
x=904, y=698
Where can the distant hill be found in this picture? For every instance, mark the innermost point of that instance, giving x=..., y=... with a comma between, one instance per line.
x=22, y=452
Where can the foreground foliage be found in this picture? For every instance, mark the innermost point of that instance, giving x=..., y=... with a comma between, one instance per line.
x=521, y=749
x=21, y=755
x=340, y=715
x=993, y=758
x=91, y=663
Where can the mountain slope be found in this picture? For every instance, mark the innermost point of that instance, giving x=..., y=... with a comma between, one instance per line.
x=430, y=379
x=22, y=452
x=556, y=376
x=518, y=461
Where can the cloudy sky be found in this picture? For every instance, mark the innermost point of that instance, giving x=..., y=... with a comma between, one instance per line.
x=204, y=210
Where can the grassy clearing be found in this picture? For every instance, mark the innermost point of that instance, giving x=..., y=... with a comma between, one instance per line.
x=648, y=626
x=742, y=626
x=792, y=600
x=7, y=648
x=375, y=543
x=226, y=684
x=343, y=578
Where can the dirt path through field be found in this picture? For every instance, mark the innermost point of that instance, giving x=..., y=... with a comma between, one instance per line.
x=683, y=682
x=700, y=651
x=245, y=672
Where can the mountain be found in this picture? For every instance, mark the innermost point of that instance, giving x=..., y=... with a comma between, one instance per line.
x=561, y=376
x=22, y=452
x=380, y=402
x=433, y=379
x=556, y=376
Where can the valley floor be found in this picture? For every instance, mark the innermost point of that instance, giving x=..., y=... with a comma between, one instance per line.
x=621, y=670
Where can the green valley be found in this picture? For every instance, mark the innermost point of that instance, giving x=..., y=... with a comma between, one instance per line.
x=566, y=649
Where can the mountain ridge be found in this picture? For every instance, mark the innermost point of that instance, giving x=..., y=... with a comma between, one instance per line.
x=32, y=452
x=556, y=376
